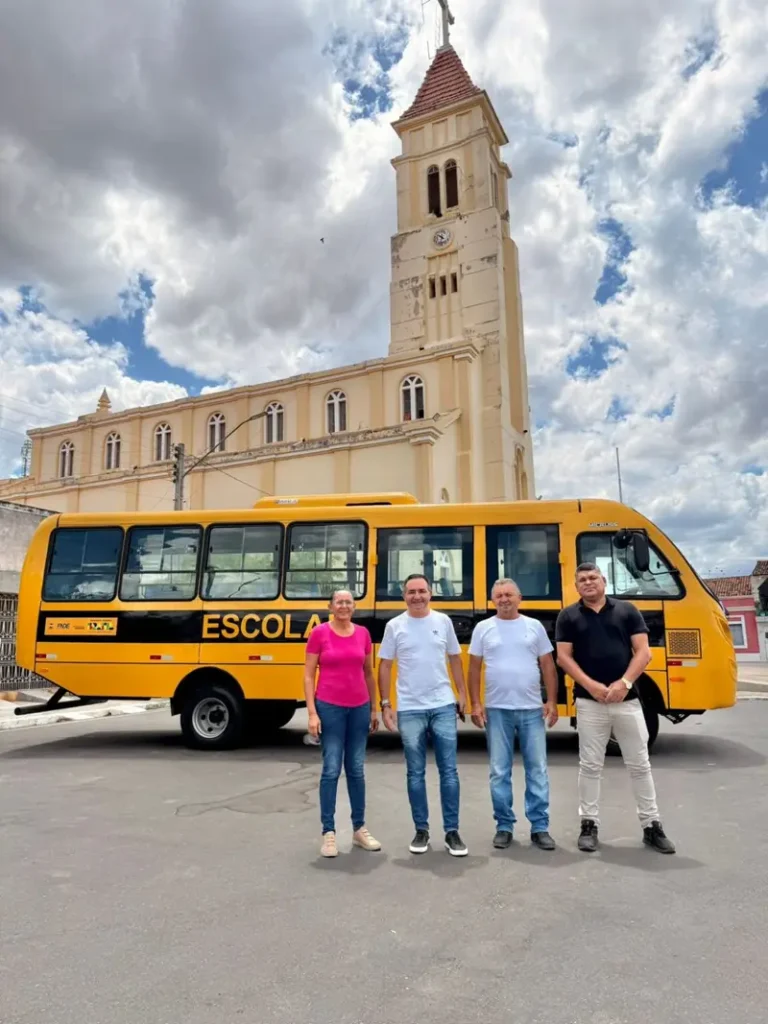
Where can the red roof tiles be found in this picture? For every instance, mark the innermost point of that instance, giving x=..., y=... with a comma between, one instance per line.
x=761, y=569
x=445, y=83
x=731, y=586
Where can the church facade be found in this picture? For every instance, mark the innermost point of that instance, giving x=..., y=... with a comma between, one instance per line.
x=444, y=415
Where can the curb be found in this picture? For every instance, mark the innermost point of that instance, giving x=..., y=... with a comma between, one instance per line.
x=83, y=714
x=752, y=686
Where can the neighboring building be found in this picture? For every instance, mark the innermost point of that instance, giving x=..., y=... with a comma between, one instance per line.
x=444, y=415
x=745, y=600
x=17, y=524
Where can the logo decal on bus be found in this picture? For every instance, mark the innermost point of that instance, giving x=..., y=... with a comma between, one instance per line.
x=59, y=627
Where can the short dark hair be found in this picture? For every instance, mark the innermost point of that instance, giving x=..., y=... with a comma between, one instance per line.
x=587, y=567
x=416, y=576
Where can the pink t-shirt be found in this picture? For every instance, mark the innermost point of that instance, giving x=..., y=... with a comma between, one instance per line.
x=341, y=658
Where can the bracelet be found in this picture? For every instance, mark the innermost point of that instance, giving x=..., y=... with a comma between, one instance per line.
x=627, y=682
x=385, y=704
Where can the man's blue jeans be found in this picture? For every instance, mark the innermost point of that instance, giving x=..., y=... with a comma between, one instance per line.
x=440, y=725
x=344, y=738
x=532, y=735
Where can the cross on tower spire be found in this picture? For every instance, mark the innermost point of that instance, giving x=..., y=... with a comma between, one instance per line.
x=448, y=20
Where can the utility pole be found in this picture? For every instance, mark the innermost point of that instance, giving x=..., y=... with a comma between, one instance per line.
x=618, y=474
x=26, y=452
x=178, y=476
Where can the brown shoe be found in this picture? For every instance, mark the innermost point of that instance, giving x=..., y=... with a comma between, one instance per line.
x=365, y=840
x=329, y=847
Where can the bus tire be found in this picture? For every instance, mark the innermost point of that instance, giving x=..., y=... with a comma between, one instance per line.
x=652, y=724
x=212, y=718
x=264, y=717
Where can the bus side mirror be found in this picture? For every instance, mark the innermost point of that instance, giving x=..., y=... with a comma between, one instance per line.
x=641, y=552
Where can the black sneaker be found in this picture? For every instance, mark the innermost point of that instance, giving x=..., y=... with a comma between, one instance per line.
x=654, y=836
x=543, y=840
x=420, y=842
x=454, y=844
x=588, y=839
x=502, y=840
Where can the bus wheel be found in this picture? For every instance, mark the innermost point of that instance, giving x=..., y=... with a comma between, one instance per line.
x=212, y=719
x=652, y=724
x=267, y=716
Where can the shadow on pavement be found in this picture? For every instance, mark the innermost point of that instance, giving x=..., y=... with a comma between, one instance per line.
x=643, y=859
x=440, y=863
x=356, y=862
x=530, y=855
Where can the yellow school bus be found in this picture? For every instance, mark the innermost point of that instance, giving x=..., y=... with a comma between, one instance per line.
x=212, y=609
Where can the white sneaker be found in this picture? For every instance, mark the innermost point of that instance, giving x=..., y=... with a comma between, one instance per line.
x=365, y=840
x=329, y=847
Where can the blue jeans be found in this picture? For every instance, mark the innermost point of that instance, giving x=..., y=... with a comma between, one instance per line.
x=344, y=737
x=532, y=735
x=440, y=724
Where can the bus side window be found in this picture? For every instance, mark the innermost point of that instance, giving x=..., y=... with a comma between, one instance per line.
x=529, y=555
x=243, y=563
x=83, y=564
x=161, y=564
x=323, y=557
x=443, y=553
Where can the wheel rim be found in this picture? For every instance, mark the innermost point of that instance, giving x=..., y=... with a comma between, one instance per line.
x=210, y=718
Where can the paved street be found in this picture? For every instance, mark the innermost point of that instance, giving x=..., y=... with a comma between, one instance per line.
x=142, y=882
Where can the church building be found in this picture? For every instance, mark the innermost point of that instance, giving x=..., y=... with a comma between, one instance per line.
x=444, y=415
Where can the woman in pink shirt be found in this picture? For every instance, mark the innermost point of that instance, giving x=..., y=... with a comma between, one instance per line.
x=342, y=712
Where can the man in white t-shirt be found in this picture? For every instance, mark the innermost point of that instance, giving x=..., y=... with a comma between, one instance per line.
x=517, y=655
x=421, y=641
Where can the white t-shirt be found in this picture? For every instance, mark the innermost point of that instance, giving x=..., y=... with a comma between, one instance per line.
x=420, y=647
x=510, y=649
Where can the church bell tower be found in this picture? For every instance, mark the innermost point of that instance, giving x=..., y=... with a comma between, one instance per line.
x=455, y=274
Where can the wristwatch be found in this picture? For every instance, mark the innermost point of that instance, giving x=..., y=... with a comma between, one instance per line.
x=627, y=682
x=385, y=704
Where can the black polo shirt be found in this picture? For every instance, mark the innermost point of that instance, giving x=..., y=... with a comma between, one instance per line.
x=602, y=641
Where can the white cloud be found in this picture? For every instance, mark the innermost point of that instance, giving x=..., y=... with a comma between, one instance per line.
x=211, y=148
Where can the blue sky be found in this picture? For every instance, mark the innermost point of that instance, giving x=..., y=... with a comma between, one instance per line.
x=745, y=167
x=144, y=362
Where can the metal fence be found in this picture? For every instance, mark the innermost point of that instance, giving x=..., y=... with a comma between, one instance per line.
x=12, y=677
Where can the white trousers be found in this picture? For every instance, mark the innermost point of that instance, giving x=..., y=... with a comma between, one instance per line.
x=595, y=723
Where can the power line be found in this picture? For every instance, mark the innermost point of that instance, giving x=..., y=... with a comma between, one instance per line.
x=245, y=483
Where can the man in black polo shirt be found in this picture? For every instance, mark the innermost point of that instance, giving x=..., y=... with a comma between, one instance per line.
x=602, y=644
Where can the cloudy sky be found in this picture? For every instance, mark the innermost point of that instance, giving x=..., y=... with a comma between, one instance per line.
x=168, y=168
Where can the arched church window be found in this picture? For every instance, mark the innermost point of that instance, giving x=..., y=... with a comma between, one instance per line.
x=274, y=423
x=112, y=452
x=451, y=184
x=162, y=442
x=412, y=396
x=217, y=429
x=433, y=191
x=66, y=459
x=336, y=406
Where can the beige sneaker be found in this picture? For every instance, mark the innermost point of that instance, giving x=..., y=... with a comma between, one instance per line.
x=329, y=847
x=365, y=840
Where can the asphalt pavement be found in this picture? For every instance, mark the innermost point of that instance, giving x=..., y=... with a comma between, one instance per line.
x=143, y=883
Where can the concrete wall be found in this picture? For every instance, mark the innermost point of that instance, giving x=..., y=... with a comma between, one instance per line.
x=17, y=524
